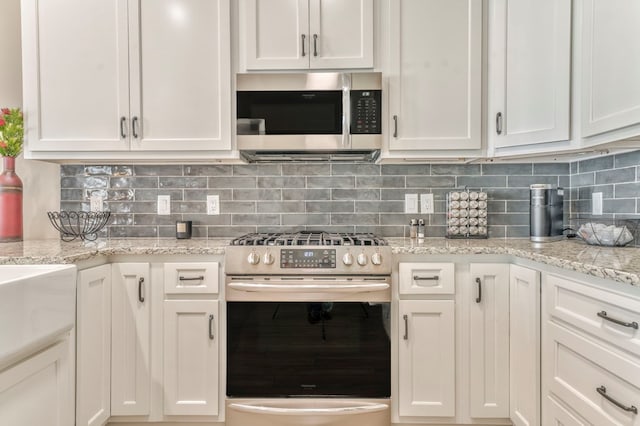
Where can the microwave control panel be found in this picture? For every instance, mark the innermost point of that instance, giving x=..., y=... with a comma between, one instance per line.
x=366, y=112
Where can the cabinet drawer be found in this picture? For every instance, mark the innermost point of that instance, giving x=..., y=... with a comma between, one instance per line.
x=595, y=311
x=427, y=278
x=579, y=368
x=556, y=415
x=189, y=278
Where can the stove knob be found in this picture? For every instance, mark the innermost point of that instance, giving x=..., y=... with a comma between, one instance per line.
x=268, y=258
x=253, y=258
x=362, y=259
x=347, y=259
x=376, y=258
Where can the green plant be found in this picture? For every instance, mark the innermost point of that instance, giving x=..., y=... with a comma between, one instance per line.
x=11, y=132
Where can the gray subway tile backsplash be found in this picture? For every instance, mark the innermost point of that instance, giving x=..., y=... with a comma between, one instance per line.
x=336, y=197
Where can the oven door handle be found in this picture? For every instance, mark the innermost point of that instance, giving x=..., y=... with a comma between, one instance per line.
x=353, y=409
x=332, y=288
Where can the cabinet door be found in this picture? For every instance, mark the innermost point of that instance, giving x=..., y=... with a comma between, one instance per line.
x=76, y=75
x=130, y=339
x=524, y=344
x=426, y=358
x=489, y=341
x=191, y=357
x=556, y=415
x=436, y=74
x=610, y=65
x=180, y=82
x=274, y=34
x=39, y=390
x=529, y=71
x=341, y=34
x=93, y=347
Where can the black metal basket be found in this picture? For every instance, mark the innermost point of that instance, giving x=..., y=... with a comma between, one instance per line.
x=73, y=224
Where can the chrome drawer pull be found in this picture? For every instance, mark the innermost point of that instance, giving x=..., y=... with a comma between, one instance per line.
x=419, y=278
x=603, y=315
x=603, y=391
x=200, y=278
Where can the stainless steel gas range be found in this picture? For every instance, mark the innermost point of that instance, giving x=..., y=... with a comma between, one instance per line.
x=308, y=329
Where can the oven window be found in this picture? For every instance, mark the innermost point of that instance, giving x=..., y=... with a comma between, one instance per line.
x=294, y=112
x=308, y=349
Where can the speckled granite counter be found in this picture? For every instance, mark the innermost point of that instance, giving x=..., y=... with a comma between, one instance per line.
x=618, y=264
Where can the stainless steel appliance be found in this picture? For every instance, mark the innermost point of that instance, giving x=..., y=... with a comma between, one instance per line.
x=546, y=214
x=309, y=116
x=308, y=329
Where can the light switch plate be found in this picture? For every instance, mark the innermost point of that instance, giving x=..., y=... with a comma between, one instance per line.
x=164, y=204
x=213, y=204
x=96, y=203
x=426, y=203
x=411, y=203
x=596, y=203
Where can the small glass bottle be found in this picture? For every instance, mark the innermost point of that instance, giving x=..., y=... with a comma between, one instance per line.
x=421, y=228
x=413, y=228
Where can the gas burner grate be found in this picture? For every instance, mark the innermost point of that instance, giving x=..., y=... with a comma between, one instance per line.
x=309, y=239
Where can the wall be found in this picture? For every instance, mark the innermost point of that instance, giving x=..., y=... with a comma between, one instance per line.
x=293, y=196
x=616, y=176
x=41, y=187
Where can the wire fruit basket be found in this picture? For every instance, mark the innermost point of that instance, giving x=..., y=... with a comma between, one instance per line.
x=613, y=233
x=78, y=224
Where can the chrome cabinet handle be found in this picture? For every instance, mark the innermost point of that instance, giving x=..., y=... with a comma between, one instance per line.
x=123, y=132
x=200, y=278
x=419, y=278
x=479, y=298
x=406, y=327
x=315, y=45
x=211, y=336
x=603, y=392
x=499, y=123
x=134, y=127
x=141, y=290
x=304, y=37
x=395, y=126
x=603, y=315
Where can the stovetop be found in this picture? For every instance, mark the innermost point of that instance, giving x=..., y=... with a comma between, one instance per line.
x=309, y=238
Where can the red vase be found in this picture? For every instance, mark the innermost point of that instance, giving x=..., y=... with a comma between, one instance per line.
x=10, y=202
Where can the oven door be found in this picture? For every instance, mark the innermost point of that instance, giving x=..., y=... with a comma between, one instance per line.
x=308, y=349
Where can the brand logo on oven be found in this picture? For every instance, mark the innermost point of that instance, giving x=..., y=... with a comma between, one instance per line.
x=308, y=387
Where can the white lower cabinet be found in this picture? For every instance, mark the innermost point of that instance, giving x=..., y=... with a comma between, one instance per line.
x=426, y=359
x=524, y=344
x=557, y=415
x=191, y=344
x=590, y=358
x=39, y=390
x=93, y=346
x=130, y=340
x=489, y=341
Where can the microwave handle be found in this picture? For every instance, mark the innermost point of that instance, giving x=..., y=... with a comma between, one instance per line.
x=346, y=110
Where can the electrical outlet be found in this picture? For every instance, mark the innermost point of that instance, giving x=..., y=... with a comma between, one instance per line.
x=596, y=203
x=96, y=203
x=213, y=204
x=411, y=203
x=426, y=203
x=164, y=204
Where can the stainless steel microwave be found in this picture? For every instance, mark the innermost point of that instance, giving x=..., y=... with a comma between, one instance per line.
x=309, y=116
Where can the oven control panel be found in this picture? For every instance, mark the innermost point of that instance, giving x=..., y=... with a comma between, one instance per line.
x=308, y=258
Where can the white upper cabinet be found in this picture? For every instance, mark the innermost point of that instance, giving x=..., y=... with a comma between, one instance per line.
x=435, y=74
x=75, y=74
x=610, y=65
x=120, y=75
x=529, y=66
x=302, y=34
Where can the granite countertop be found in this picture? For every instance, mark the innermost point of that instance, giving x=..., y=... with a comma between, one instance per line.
x=617, y=264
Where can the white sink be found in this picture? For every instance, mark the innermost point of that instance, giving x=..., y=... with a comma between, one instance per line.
x=37, y=306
